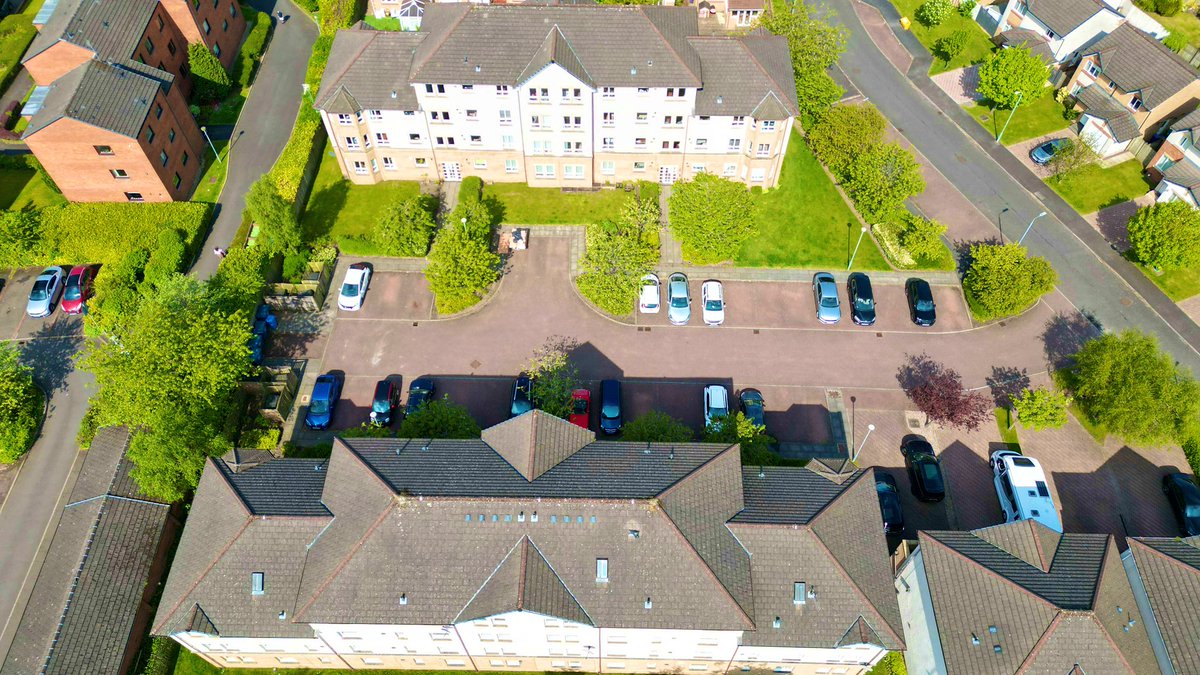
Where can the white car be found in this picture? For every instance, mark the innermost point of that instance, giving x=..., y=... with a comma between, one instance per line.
x=648, y=298
x=716, y=403
x=354, y=287
x=712, y=299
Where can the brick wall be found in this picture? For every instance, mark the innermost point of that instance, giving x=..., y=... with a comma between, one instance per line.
x=173, y=133
x=68, y=151
x=224, y=21
x=164, y=46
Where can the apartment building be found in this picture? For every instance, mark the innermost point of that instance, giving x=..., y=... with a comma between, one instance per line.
x=538, y=94
x=109, y=119
x=535, y=548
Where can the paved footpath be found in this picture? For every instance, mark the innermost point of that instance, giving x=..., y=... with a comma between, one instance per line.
x=1091, y=275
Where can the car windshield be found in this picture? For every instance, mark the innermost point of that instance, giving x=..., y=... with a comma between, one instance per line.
x=679, y=300
x=713, y=305
x=891, y=509
x=828, y=301
x=716, y=411
x=319, y=406
x=580, y=406
x=73, y=292
x=864, y=303
x=924, y=305
x=933, y=476
x=39, y=291
x=381, y=405
x=349, y=289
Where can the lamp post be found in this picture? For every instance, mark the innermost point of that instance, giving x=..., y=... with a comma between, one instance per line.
x=852, y=255
x=1010, y=116
x=870, y=428
x=204, y=130
x=1022, y=239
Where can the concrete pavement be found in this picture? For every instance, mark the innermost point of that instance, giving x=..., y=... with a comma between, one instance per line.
x=265, y=123
x=1091, y=275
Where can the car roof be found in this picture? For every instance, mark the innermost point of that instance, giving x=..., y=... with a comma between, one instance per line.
x=713, y=288
x=78, y=269
x=383, y=387
x=322, y=388
x=355, y=274
x=717, y=392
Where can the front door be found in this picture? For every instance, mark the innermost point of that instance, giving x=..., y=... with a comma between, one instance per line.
x=668, y=174
x=451, y=171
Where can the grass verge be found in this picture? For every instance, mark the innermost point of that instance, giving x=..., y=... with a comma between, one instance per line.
x=524, y=205
x=1093, y=187
x=1006, y=423
x=1179, y=284
x=977, y=47
x=208, y=190
x=1035, y=118
x=23, y=188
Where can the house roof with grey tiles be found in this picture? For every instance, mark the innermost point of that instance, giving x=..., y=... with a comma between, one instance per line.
x=365, y=67
x=536, y=442
x=1184, y=174
x=109, y=28
x=100, y=94
x=741, y=76
x=1036, y=42
x=1189, y=122
x=1100, y=104
x=1170, y=572
x=280, y=488
x=999, y=607
x=1139, y=63
x=663, y=516
x=1064, y=16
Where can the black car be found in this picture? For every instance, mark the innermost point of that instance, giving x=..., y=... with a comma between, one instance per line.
x=920, y=302
x=862, y=300
x=610, y=406
x=753, y=406
x=1183, y=493
x=889, y=503
x=521, y=401
x=420, y=390
x=924, y=470
x=384, y=403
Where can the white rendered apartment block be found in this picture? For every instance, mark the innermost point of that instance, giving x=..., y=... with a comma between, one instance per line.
x=558, y=96
x=506, y=554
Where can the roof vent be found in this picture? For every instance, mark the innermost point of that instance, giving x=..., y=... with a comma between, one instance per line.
x=635, y=534
x=671, y=454
x=776, y=623
x=762, y=472
x=393, y=93
x=649, y=62
x=425, y=448
x=646, y=451
x=720, y=100
x=464, y=59
x=478, y=67
x=633, y=71
x=648, y=604
x=404, y=598
x=283, y=615
x=317, y=467
x=974, y=639
x=997, y=649
x=992, y=630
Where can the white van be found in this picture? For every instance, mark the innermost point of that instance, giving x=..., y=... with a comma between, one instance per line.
x=1022, y=489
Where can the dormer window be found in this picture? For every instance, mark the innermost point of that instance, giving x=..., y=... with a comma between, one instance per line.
x=1135, y=103
x=257, y=583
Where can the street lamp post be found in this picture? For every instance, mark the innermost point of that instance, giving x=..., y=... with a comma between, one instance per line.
x=852, y=255
x=204, y=130
x=1010, y=116
x=870, y=428
x=1022, y=239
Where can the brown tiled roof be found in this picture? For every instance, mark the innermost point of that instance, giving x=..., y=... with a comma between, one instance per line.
x=1170, y=573
x=1064, y=16
x=536, y=442
x=524, y=581
x=1139, y=63
x=1099, y=103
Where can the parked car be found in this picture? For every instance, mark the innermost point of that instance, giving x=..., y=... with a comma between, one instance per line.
x=384, y=403
x=354, y=287
x=44, y=293
x=924, y=470
x=862, y=300
x=326, y=393
x=921, y=308
x=420, y=390
x=889, y=503
x=521, y=400
x=1183, y=493
x=648, y=298
x=77, y=289
x=753, y=406
x=716, y=402
x=679, y=299
x=610, y=406
x=1042, y=153
x=829, y=308
x=712, y=298
x=1022, y=489
x=581, y=408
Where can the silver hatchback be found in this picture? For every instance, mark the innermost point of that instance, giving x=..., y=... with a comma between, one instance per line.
x=829, y=308
x=679, y=299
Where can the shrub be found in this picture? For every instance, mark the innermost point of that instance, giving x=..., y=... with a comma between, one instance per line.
x=288, y=171
x=106, y=232
x=1010, y=70
x=21, y=239
x=966, y=8
x=881, y=178
x=241, y=278
x=16, y=32
x=657, y=427
x=279, y=229
x=21, y=404
x=316, y=62
x=952, y=45
x=251, y=53
x=337, y=14
x=1003, y=281
x=460, y=269
x=933, y=12
x=405, y=227
x=613, y=264
x=294, y=265
x=211, y=82
x=845, y=132
x=163, y=653
x=1168, y=7
x=922, y=238
x=116, y=295
x=166, y=259
x=88, y=426
x=471, y=190
x=309, y=6
x=1175, y=42
x=712, y=217
x=1166, y=236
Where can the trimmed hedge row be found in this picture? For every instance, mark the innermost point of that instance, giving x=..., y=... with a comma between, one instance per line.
x=337, y=14
x=288, y=171
x=251, y=53
x=106, y=232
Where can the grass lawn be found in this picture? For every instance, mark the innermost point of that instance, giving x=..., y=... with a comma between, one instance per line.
x=1093, y=188
x=23, y=188
x=1037, y=118
x=386, y=23
x=1179, y=284
x=1006, y=424
x=805, y=222
x=208, y=190
x=978, y=44
x=524, y=205
x=345, y=212
x=16, y=32
x=1184, y=22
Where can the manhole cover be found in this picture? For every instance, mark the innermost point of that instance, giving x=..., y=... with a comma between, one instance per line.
x=475, y=364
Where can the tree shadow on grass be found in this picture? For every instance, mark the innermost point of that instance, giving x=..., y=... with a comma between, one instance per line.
x=324, y=206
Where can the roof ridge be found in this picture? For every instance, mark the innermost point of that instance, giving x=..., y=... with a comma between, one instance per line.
x=670, y=47
x=491, y=574
x=709, y=570
x=1037, y=546
x=524, y=544
x=558, y=576
x=1113, y=643
x=338, y=441
x=337, y=80
x=346, y=559
x=1041, y=642
x=990, y=571
x=750, y=52
x=853, y=480
x=837, y=564
x=204, y=574
x=1157, y=552
x=697, y=469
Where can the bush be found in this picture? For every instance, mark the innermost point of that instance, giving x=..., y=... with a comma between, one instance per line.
x=1166, y=236
x=21, y=405
x=613, y=264
x=1168, y=7
x=439, y=419
x=711, y=216
x=316, y=62
x=21, y=239
x=1175, y=42
x=16, y=32
x=166, y=259
x=405, y=227
x=163, y=653
x=337, y=14
x=279, y=229
x=241, y=278
x=294, y=265
x=881, y=178
x=845, y=132
x=106, y=232
x=460, y=269
x=288, y=171
x=657, y=427
x=116, y=295
x=88, y=426
x=966, y=8
x=1003, y=281
x=471, y=190
x=933, y=12
x=952, y=45
x=251, y=53
x=211, y=82
x=922, y=238
x=1010, y=70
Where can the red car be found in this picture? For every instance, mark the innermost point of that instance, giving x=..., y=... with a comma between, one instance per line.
x=78, y=289
x=581, y=407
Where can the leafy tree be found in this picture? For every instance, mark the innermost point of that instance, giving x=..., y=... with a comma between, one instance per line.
x=166, y=259
x=170, y=373
x=1008, y=71
x=845, y=132
x=209, y=78
x=921, y=237
x=406, y=227
x=1002, y=280
x=439, y=419
x=613, y=264
x=641, y=213
x=479, y=219
x=460, y=268
x=1125, y=383
x=240, y=278
x=711, y=216
x=279, y=230
x=1042, y=408
x=881, y=178
x=815, y=42
x=1166, y=235
x=116, y=296
x=1076, y=154
x=1168, y=7
x=966, y=8
x=656, y=427
x=1176, y=42
x=20, y=405
x=938, y=392
x=933, y=12
x=951, y=45
x=737, y=428
x=20, y=238
x=554, y=376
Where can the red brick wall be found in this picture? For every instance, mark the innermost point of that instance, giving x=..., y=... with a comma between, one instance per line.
x=67, y=150
x=225, y=29
x=56, y=61
x=162, y=35
x=187, y=143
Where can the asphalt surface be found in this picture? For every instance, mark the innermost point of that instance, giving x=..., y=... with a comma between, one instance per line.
x=1093, y=277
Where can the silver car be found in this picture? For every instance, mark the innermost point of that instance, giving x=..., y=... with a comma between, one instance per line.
x=44, y=293
x=829, y=308
x=679, y=299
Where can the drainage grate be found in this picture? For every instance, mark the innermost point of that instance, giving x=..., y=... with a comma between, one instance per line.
x=756, y=331
x=414, y=324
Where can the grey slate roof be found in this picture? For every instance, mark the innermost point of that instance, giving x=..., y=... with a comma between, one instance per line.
x=101, y=94
x=1170, y=572
x=110, y=28
x=1184, y=174
x=556, y=49
x=536, y=442
x=1037, y=43
x=1139, y=63
x=1098, y=103
x=990, y=585
x=741, y=75
x=1190, y=122
x=280, y=488
x=1064, y=16
x=367, y=66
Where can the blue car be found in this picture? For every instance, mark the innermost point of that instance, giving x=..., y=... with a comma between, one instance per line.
x=324, y=400
x=1044, y=152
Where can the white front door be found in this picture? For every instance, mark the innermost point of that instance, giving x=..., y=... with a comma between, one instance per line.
x=451, y=171
x=668, y=174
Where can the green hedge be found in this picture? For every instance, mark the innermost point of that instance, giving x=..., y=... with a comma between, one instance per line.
x=251, y=53
x=316, y=63
x=288, y=171
x=106, y=232
x=163, y=653
x=471, y=190
x=16, y=32
x=337, y=14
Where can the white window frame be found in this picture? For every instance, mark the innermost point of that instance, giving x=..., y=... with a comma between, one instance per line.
x=608, y=167
x=510, y=166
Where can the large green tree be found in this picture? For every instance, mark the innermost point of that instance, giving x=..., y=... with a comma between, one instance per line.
x=20, y=405
x=209, y=79
x=279, y=229
x=460, y=268
x=613, y=264
x=406, y=226
x=656, y=427
x=1003, y=280
x=439, y=419
x=711, y=216
x=815, y=43
x=1010, y=70
x=1042, y=408
x=737, y=428
x=1129, y=386
x=554, y=376
x=881, y=178
x=116, y=297
x=1166, y=236
x=20, y=237
x=845, y=132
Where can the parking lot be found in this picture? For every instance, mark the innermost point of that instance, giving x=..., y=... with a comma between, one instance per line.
x=16, y=325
